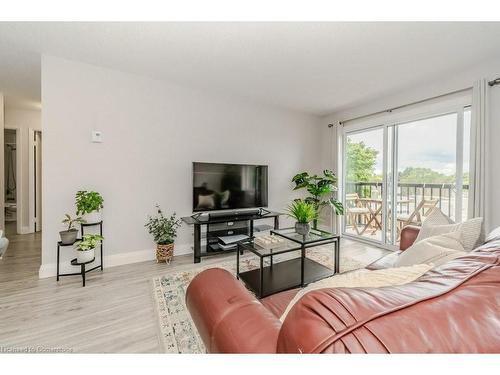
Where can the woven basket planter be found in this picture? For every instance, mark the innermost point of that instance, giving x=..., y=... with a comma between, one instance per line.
x=164, y=253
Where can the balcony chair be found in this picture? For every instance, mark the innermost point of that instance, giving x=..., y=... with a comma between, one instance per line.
x=416, y=217
x=355, y=210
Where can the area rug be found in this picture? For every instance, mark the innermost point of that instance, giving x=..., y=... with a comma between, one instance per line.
x=177, y=330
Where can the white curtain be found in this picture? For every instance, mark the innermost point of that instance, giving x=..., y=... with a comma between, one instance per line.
x=478, y=151
x=337, y=157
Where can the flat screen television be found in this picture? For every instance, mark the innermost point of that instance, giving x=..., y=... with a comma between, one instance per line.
x=228, y=186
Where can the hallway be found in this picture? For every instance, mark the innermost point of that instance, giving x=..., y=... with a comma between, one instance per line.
x=23, y=257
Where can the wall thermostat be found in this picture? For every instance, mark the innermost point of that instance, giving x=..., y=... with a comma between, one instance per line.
x=96, y=136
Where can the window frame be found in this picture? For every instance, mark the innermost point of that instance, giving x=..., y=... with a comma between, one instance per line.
x=390, y=121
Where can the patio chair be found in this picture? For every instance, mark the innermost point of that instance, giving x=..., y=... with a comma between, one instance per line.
x=356, y=211
x=416, y=217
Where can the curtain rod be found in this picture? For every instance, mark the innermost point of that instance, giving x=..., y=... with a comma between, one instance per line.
x=494, y=82
x=405, y=105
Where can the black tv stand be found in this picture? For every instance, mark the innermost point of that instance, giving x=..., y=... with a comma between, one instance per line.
x=264, y=212
x=233, y=223
x=196, y=216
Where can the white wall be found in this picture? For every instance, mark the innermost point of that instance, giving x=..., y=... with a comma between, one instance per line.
x=23, y=120
x=152, y=133
x=440, y=85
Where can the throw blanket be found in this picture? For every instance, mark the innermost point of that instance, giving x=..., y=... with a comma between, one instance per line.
x=364, y=278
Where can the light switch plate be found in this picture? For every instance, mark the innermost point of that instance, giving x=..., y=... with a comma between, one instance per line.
x=96, y=136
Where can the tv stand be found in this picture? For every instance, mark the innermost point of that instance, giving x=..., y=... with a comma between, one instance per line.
x=219, y=226
x=264, y=212
x=196, y=216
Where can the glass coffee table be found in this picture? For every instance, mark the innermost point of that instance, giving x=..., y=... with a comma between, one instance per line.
x=275, y=277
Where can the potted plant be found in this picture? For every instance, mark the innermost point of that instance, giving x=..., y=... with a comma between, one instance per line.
x=321, y=190
x=164, y=231
x=68, y=236
x=304, y=212
x=86, y=247
x=89, y=205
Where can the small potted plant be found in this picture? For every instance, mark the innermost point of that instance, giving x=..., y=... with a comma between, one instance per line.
x=164, y=231
x=89, y=205
x=304, y=212
x=68, y=236
x=86, y=247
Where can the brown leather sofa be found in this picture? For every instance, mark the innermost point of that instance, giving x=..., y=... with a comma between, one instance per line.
x=454, y=308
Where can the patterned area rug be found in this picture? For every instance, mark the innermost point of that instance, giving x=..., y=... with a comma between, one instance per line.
x=178, y=332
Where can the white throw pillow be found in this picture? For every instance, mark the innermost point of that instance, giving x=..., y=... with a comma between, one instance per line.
x=433, y=250
x=469, y=230
x=436, y=217
x=472, y=230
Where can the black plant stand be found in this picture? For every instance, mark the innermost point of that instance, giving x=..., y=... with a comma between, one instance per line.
x=85, y=225
x=74, y=262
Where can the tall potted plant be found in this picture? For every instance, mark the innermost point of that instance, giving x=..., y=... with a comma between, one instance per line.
x=164, y=231
x=304, y=213
x=86, y=247
x=321, y=190
x=89, y=204
x=68, y=236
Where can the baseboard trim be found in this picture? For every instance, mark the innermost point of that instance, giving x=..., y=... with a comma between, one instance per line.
x=25, y=230
x=50, y=269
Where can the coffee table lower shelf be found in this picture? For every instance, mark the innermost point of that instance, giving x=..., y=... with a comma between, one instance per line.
x=283, y=276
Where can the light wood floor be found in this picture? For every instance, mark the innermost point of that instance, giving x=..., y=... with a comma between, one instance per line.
x=113, y=313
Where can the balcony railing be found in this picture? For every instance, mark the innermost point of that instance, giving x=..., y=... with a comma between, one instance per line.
x=413, y=193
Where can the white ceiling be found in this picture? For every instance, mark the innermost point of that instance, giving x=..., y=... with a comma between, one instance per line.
x=310, y=67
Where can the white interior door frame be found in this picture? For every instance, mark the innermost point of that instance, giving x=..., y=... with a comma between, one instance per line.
x=34, y=222
x=31, y=181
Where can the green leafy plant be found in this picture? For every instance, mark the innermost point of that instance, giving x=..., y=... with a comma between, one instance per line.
x=360, y=162
x=70, y=222
x=88, y=242
x=163, y=229
x=321, y=190
x=302, y=211
x=88, y=201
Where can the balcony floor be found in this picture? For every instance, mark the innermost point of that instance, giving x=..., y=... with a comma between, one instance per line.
x=369, y=234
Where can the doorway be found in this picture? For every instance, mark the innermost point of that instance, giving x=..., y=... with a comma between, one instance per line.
x=22, y=181
x=11, y=198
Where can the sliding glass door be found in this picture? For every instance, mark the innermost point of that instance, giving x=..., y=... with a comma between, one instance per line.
x=364, y=161
x=396, y=173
